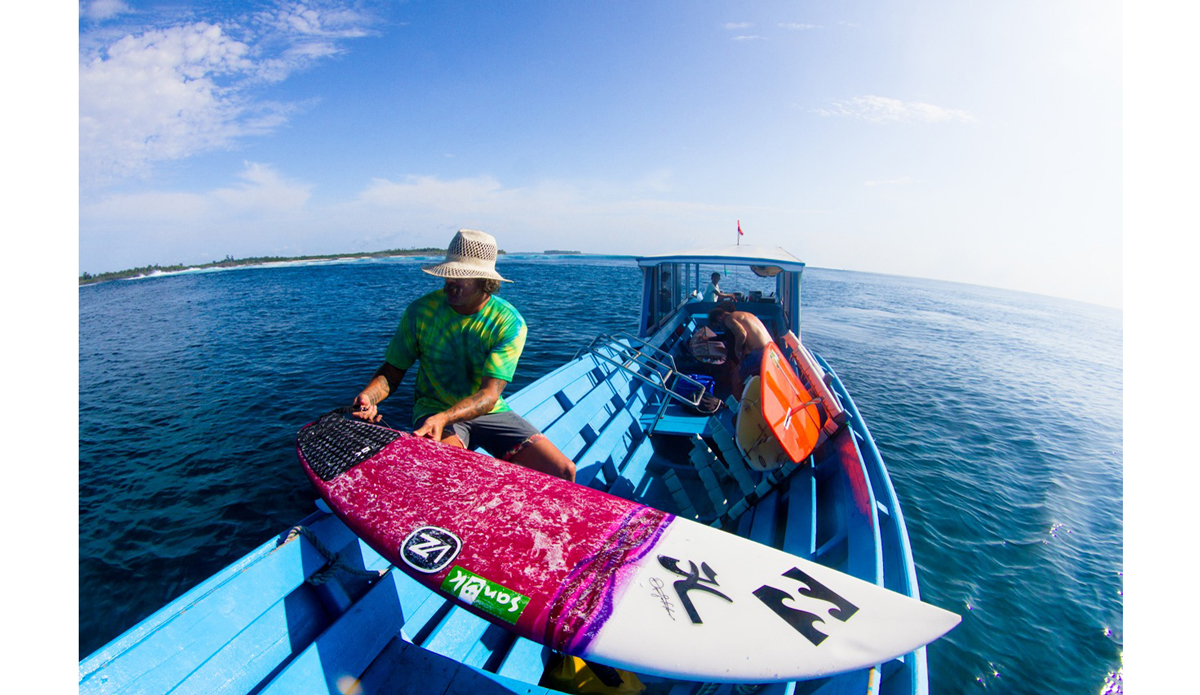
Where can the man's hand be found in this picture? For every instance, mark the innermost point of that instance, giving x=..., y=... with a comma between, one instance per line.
x=386, y=379
x=364, y=409
x=433, y=426
x=479, y=403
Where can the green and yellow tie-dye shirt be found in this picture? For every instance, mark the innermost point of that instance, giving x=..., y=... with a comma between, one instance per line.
x=455, y=352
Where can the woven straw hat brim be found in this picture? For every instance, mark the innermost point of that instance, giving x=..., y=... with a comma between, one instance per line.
x=458, y=269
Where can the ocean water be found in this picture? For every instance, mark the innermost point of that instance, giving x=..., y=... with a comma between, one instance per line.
x=998, y=414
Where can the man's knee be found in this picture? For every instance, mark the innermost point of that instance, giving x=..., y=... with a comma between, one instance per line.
x=567, y=469
x=542, y=455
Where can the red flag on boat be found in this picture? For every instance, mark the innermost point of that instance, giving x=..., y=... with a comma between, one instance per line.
x=740, y=233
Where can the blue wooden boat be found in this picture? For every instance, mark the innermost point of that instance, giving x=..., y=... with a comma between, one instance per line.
x=315, y=610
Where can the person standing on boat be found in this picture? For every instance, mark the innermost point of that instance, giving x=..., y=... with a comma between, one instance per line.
x=750, y=337
x=713, y=293
x=466, y=342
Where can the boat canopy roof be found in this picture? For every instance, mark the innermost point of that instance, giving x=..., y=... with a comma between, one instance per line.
x=734, y=254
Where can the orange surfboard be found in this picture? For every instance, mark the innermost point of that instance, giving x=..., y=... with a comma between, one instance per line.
x=791, y=413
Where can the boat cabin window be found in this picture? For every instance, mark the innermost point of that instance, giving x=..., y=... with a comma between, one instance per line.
x=670, y=285
x=673, y=284
x=667, y=282
x=766, y=290
x=739, y=281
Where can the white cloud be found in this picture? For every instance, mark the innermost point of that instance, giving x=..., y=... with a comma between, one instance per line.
x=734, y=26
x=487, y=197
x=877, y=109
x=305, y=35
x=304, y=21
x=267, y=214
x=98, y=10
x=259, y=215
x=477, y=195
x=798, y=26
x=156, y=97
x=165, y=93
x=154, y=209
x=902, y=181
x=264, y=190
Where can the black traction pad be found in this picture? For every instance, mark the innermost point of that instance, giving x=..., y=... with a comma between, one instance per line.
x=334, y=444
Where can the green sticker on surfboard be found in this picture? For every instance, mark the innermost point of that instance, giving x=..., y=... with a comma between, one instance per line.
x=487, y=596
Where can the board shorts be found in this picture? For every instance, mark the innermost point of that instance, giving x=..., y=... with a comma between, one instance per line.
x=751, y=364
x=503, y=435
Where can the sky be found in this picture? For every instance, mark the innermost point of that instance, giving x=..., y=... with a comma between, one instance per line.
x=971, y=142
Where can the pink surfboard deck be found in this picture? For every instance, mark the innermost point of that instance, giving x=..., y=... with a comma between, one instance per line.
x=601, y=577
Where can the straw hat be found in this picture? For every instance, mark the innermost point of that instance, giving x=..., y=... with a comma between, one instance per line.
x=472, y=254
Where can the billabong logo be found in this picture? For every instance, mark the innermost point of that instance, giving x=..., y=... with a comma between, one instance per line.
x=430, y=549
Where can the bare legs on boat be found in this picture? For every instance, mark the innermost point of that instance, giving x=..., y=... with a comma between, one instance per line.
x=539, y=453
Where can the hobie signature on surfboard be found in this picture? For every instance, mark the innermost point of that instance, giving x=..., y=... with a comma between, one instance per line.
x=661, y=595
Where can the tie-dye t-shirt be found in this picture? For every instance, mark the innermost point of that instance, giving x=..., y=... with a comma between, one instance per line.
x=454, y=352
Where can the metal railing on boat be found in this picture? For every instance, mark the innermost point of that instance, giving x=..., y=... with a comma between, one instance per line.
x=647, y=363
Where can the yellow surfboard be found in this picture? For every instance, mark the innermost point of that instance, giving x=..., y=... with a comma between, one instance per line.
x=761, y=447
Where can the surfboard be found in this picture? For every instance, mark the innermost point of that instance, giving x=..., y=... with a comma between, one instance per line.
x=789, y=410
x=778, y=420
x=600, y=577
x=758, y=443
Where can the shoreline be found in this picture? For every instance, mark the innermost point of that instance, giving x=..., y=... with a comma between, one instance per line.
x=230, y=262
x=266, y=261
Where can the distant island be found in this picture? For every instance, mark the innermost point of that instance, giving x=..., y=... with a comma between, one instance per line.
x=231, y=262
x=555, y=252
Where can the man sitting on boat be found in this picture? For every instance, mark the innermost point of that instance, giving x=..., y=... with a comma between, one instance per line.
x=467, y=343
x=750, y=336
x=713, y=292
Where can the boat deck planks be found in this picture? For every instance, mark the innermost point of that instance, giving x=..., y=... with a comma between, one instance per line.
x=405, y=669
x=348, y=646
x=199, y=626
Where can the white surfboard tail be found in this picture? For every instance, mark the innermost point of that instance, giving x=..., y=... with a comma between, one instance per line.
x=721, y=609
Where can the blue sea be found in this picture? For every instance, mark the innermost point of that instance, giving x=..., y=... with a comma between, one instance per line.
x=998, y=414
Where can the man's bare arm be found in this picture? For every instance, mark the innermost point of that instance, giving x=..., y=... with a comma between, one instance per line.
x=385, y=381
x=479, y=403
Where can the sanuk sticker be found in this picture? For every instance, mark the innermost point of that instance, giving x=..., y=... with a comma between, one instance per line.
x=489, y=597
x=430, y=549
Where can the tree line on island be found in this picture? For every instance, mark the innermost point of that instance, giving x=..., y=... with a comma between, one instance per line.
x=231, y=262
x=86, y=278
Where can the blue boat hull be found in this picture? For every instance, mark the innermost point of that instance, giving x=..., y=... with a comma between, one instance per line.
x=317, y=611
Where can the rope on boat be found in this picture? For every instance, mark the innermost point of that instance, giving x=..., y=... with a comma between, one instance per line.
x=347, y=411
x=335, y=563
